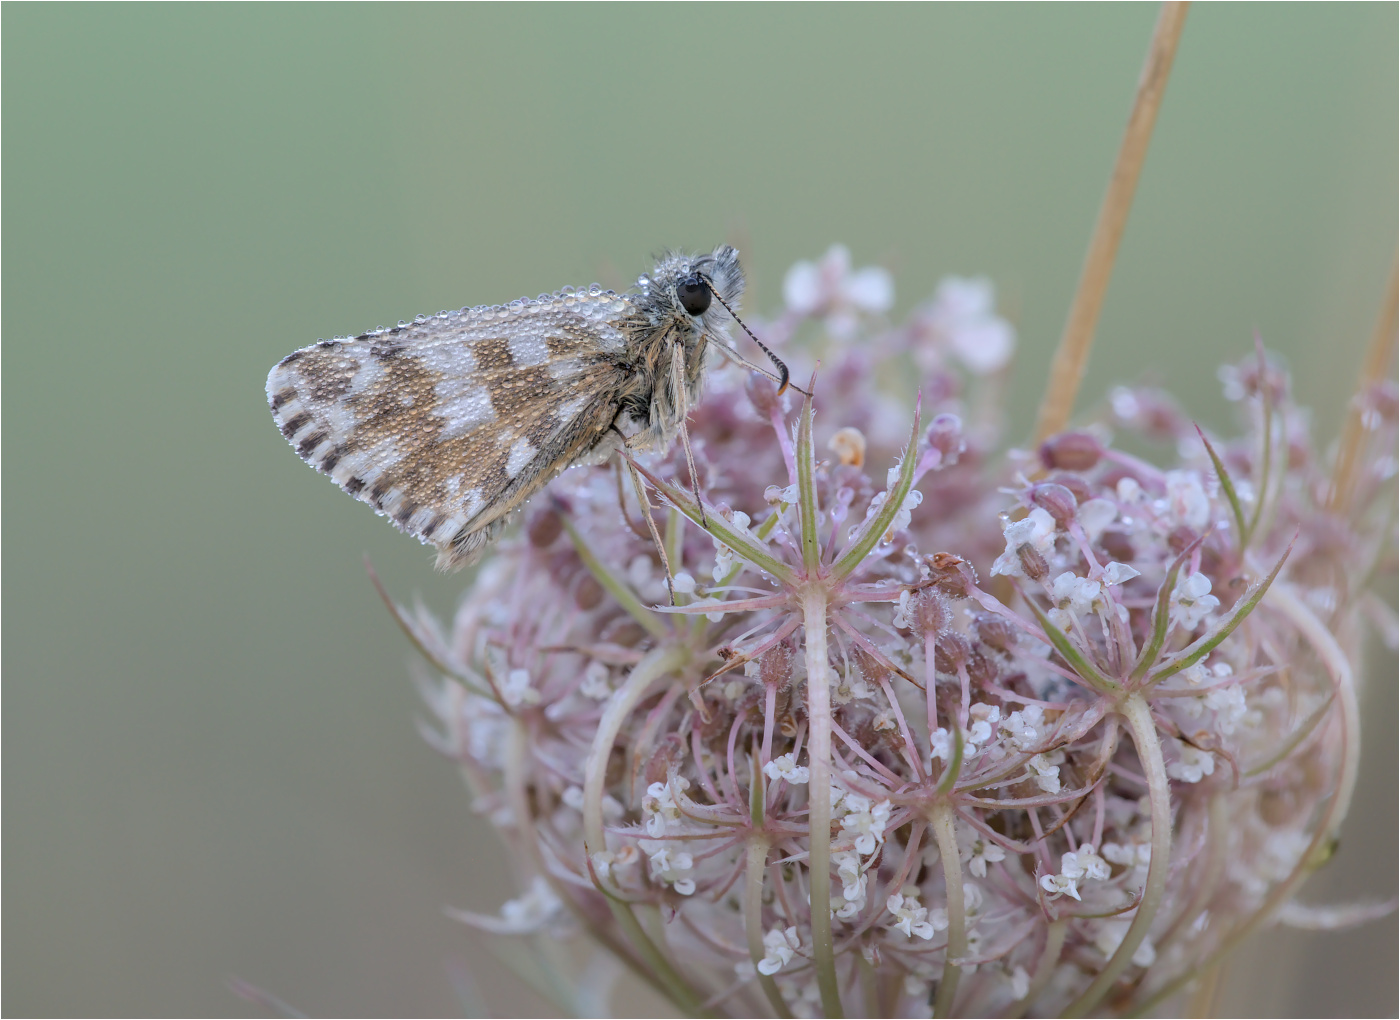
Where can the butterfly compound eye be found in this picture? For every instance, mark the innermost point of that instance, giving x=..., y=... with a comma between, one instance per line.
x=694, y=294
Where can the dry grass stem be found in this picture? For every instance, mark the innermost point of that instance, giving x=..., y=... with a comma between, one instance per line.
x=1067, y=369
x=1372, y=370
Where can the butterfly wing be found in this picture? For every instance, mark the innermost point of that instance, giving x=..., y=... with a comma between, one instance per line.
x=449, y=423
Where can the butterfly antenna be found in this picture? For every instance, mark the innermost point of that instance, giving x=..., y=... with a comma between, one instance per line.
x=783, y=380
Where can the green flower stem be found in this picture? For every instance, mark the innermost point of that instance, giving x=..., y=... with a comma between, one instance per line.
x=528, y=844
x=754, y=864
x=1228, y=488
x=807, y=508
x=869, y=985
x=1149, y=748
x=1086, y=670
x=655, y=664
x=1217, y=846
x=717, y=527
x=942, y=819
x=950, y=775
x=615, y=586
x=1195, y=653
x=814, y=608
x=1055, y=933
x=1283, y=598
x=1290, y=743
x=1334, y=659
x=400, y=617
x=894, y=499
x=1161, y=615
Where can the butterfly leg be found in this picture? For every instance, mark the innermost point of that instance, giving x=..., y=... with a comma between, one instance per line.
x=683, y=406
x=645, y=504
x=634, y=526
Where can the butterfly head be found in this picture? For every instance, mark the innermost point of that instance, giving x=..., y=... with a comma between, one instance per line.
x=684, y=287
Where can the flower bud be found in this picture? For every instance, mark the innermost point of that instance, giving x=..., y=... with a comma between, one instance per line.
x=1074, y=483
x=659, y=764
x=1071, y=451
x=995, y=632
x=588, y=593
x=1379, y=403
x=763, y=395
x=981, y=669
x=628, y=634
x=945, y=435
x=544, y=527
x=953, y=650
x=849, y=446
x=1057, y=501
x=1181, y=537
x=1118, y=546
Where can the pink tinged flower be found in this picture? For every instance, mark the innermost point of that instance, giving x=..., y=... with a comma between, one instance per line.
x=1118, y=573
x=941, y=744
x=963, y=315
x=670, y=867
x=1046, y=771
x=915, y=920
x=850, y=687
x=725, y=558
x=516, y=690
x=864, y=821
x=1129, y=855
x=1187, y=502
x=659, y=810
x=537, y=909
x=1074, y=593
x=982, y=725
x=1095, y=515
x=1192, y=765
x=785, y=767
x=1082, y=865
x=1037, y=530
x=1059, y=885
x=1192, y=600
x=778, y=946
x=597, y=682
x=829, y=289
x=946, y=442
x=853, y=881
x=1230, y=707
x=615, y=865
x=1020, y=982
x=573, y=797
x=977, y=851
x=901, y=518
x=1110, y=934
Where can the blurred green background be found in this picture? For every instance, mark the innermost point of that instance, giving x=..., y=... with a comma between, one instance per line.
x=210, y=764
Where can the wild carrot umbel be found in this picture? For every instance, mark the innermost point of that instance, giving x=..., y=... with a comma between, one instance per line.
x=927, y=729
